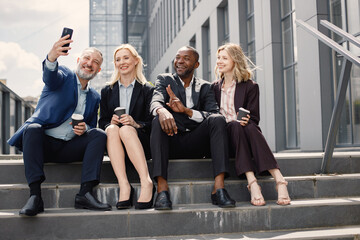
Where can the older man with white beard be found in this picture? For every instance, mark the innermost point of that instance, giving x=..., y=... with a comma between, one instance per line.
x=48, y=136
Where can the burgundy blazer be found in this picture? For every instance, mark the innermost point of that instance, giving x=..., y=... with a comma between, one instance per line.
x=246, y=96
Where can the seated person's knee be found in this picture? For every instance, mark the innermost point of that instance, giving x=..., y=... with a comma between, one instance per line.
x=217, y=120
x=112, y=129
x=126, y=130
x=32, y=127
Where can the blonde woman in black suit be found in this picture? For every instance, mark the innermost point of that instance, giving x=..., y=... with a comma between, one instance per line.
x=128, y=134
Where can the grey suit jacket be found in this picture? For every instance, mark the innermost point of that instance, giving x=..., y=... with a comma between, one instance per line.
x=202, y=96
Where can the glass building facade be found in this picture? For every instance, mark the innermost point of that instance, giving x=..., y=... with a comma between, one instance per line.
x=344, y=13
x=289, y=69
x=114, y=22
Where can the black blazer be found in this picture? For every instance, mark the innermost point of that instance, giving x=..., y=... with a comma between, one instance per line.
x=139, y=104
x=202, y=96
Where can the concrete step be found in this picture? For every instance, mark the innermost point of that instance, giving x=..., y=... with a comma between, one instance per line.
x=193, y=219
x=336, y=233
x=14, y=196
x=291, y=164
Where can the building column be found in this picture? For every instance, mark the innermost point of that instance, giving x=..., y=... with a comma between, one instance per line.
x=314, y=77
x=234, y=20
x=269, y=74
x=213, y=25
x=199, y=40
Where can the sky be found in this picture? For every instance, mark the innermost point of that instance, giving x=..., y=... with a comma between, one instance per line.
x=29, y=29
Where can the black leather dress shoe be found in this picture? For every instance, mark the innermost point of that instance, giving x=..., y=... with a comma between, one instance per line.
x=146, y=205
x=88, y=201
x=33, y=206
x=222, y=199
x=162, y=201
x=127, y=203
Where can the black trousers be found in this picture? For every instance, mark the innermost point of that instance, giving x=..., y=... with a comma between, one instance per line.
x=144, y=138
x=39, y=148
x=209, y=139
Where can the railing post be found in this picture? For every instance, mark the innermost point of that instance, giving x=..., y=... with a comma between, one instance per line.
x=335, y=118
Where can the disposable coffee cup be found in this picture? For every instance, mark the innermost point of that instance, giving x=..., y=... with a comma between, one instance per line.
x=242, y=113
x=119, y=111
x=76, y=119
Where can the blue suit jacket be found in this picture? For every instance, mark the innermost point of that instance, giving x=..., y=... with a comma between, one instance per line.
x=57, y=102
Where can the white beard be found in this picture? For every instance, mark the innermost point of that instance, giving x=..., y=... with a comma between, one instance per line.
x=83, y=75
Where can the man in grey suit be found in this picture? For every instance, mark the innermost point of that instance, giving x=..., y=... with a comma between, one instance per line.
x=187, y=124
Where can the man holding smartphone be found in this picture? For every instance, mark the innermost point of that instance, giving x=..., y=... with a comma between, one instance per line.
x=47, y=136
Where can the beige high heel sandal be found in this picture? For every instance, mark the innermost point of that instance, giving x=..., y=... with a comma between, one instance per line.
x=283, y=201
x=253, y=200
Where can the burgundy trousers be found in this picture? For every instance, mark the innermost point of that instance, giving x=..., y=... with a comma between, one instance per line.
x=252, y=153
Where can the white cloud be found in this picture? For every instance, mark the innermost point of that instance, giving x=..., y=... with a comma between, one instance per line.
x=38, y=11
x=29, y=30
x=20, y=68
x=13, y=56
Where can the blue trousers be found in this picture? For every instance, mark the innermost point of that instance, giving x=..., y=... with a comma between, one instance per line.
x=39, y=148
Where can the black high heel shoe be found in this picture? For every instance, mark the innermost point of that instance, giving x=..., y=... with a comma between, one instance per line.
x=127, y=203
x=146, y=205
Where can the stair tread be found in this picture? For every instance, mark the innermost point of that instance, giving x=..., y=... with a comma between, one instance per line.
x=278, y=155
x=322, y=205
x=189, y=219
x=316, y=233
x=202, y=181
x=194, y=207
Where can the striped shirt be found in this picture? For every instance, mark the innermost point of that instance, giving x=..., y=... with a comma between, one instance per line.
x=227, y=107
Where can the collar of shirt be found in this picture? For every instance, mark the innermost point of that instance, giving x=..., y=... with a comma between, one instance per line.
x=233, y=83
x=80, y=87
x=191, y=82
x=125, y=94
x=122, y=85
x=188, y=93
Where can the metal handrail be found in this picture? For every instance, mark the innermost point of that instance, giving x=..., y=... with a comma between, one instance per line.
x=348, y=60
x=340, y=32
x=329, y=42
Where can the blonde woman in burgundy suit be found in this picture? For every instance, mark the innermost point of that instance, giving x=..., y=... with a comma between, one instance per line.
x=233, y=90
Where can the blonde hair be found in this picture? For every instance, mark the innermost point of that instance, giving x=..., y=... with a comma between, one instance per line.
x=139, y=75
x=242, y=72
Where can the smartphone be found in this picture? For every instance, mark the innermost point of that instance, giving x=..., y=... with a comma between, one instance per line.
x=242, y=113
x=65, y=32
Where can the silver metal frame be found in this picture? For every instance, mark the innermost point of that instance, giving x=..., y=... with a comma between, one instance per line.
x=349, y=59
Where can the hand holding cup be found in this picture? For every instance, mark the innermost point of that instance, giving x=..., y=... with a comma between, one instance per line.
x=119, y=111
x=117, y=115
x=78, y=124
x=76, y=119
x=243, y=116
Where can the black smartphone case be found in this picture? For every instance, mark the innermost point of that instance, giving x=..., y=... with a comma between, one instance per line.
x=65, y=32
